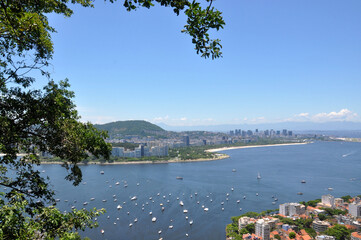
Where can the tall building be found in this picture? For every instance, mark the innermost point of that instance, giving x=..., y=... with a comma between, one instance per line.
x=291, y=209
x=186, y=140
x=138, y=152
x=355, y=209
x=263, y=229
x=284, y=132
x=328, y=200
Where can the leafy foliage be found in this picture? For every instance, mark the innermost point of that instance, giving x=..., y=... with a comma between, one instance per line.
x=190, y=153
x=347, y=198
x=45, y=120
x=199, y=21
x=310, y=231
x=292, y=235
x=340, y=232
x=277, y=237
x=312, y=203
x=49, y=222
x=300, y=223
x=332, y=212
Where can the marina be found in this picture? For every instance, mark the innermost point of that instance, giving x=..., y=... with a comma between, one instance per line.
x=206, y=185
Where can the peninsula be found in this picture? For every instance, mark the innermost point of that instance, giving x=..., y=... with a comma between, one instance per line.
x=141, y=142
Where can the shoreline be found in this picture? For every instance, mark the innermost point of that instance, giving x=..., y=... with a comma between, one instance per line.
x=253, y=146
x=219, y=157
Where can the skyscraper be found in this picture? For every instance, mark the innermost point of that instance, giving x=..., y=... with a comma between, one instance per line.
x=186, y=140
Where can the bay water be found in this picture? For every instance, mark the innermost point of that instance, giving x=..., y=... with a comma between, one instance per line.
x=327, y=167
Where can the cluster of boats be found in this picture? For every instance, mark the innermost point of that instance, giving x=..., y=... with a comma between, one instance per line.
x=164, y=200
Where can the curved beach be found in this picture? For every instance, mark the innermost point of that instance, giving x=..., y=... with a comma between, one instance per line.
x=253, y=146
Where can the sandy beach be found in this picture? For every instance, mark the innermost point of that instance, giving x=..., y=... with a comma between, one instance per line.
x=252, y=146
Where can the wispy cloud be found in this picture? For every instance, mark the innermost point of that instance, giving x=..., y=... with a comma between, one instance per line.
x=183, y=121
x=342, y=115
x=98, y=119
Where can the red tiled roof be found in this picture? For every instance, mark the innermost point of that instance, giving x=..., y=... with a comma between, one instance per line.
x=350, y=226
x=356, y=235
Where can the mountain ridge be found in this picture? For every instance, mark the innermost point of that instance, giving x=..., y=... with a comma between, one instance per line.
x=131, y=127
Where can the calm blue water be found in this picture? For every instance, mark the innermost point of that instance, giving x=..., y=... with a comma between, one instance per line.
x=321, y=164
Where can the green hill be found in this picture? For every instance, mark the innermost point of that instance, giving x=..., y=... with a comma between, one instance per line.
x=132, y=127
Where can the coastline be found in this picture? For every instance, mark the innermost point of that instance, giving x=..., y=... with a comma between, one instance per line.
x=219, y=157
x=253, y=146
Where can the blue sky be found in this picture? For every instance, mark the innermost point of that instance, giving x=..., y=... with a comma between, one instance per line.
x=283, y=61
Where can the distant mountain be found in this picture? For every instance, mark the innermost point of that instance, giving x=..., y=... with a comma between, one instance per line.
x=131, y=127
x=295, y=126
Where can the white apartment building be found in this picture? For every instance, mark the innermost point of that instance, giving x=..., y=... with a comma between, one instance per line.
x=328, y=200
x=320, y=226
x=355, y=209
x=291, y=209
x=325, y=237
x=263, y=229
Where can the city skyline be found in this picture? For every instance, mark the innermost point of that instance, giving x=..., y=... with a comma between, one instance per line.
x=283, y=61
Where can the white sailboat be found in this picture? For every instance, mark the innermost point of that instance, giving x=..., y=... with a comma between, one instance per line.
x=259, y=176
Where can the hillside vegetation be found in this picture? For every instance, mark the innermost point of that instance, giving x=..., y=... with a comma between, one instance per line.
x=132, y=127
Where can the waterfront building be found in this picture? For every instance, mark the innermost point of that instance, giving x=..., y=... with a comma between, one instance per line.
x=355, y=209
x=118, y=151
x=291, y=209
x=356, y=236
x=243, y=222
x=328, y=201
x=320, y=226
x=138, y=152
x=146, y=152
x=262, y=229
x=129, y=154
